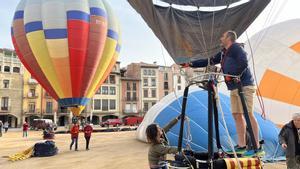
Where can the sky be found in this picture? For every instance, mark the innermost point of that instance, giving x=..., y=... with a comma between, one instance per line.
x=139, y=44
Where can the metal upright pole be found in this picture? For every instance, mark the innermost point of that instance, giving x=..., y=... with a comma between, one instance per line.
x=216, y=121
x=246, y=115
x=210, y=121
x=184, y=102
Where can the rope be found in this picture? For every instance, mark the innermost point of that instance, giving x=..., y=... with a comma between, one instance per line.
x=22, y=155
x=200, y=24
x=269, y=18
x=166, y=64
x=212, y=25
x=226, y=128
x=189, y=137
x=259, y=96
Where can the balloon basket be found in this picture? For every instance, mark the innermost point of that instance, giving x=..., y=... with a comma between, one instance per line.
x=196, y=160
x=178, y=165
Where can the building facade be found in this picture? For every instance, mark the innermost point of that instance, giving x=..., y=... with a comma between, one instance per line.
x=130, y=92
x=178, y=77
x=37, y=103
x=106, y=103
x=140, y=87
x=165, y=81
x=148, y=73
x=11, y=84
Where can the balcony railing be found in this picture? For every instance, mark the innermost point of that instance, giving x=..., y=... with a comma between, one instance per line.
x=33, y=111
x=131, y=99
x=130, y=111
x=49, y=112
x=47, y=96
x=5, y=109
x=32, y=95
x=32, y=81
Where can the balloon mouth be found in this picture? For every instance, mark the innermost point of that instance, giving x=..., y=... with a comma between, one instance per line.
x=76, y=110
x=75, y=105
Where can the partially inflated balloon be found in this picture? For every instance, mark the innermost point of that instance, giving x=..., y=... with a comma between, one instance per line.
x=194, y=33
x=69, y=46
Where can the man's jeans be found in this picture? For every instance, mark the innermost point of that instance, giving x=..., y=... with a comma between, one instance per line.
x=74, y=140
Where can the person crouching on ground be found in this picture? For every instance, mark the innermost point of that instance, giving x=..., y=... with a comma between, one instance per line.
x=74, y=136
x=159, y=144
x=88, y=129
x=289, y=138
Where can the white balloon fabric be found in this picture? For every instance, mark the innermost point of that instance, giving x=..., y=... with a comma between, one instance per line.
x=276, y=53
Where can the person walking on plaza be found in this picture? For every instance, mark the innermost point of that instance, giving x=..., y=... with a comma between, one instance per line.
x=74, y=135
x=6, y=126
x=25, y=129
x=88, y=129
x=289, y=139
x=1, y=125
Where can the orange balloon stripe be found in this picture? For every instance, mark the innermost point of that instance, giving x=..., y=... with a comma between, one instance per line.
x=26, y=56
x=279, y=87
x=296, y=47
x=61, y=66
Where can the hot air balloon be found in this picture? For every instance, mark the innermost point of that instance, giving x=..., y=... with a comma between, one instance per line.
x=196, y=128
x=69, y=47
x=276, y=54
x=190, y=29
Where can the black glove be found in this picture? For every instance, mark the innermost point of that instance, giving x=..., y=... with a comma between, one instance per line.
x=178, y=117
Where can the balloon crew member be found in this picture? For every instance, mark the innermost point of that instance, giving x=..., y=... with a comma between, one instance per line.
x=289, y=138
x=74, y=136
x=234, y=61
x=88, y=129
x=159, y=148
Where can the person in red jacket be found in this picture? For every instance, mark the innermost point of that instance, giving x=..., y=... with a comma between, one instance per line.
x=88, y=129
x=74, y=136
x=25, y=129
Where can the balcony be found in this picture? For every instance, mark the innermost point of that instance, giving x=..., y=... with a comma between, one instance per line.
x=32, y=81
x=5, y=109
x=49, y=110
x=127, y=111
x=32, y=95
x=47, y=96
x=131, y=99
x=33, y=111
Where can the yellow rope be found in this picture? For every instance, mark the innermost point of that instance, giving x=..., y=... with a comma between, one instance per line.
x=22, y=155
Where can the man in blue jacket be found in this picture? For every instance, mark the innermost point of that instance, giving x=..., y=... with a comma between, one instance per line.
x=233, y=60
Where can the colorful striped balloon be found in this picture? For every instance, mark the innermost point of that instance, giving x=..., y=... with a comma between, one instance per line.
x=69, y=46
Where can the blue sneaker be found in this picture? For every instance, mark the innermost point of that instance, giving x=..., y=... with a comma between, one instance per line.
x=238, y=150
x=251, y=153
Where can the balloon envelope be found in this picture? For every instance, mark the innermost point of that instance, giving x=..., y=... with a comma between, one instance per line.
x=191, y=34
x=276, y=53
x=69, y=47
